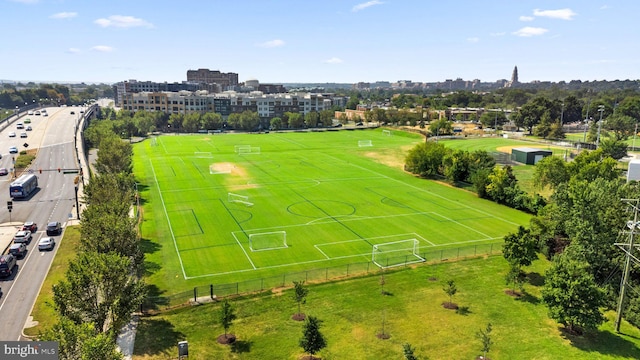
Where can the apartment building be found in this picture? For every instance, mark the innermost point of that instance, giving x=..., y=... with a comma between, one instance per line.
x=206, y=76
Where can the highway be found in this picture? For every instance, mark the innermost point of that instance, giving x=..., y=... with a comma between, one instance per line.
x=53, y=137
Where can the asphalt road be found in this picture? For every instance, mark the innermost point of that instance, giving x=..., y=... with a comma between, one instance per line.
x=53, y=137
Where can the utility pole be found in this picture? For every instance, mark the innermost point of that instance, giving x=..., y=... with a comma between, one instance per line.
x=628, y=248
x=601, y=110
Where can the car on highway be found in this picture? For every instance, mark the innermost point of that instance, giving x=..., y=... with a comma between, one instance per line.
x=45, y=114
x=13, y=150
x=73, y=113
x=27, y=121
x=22, y=236
x=12, y=134
x=46, y=243
x=7, y=263
x=20, y=126
x=18, y=250
x=4, y=171
x=30, y=112
x=54, y=228
x=31, y=226
x=23, y=135
x=29, y=128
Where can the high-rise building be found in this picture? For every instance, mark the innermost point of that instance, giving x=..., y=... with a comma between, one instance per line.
x=206, y=76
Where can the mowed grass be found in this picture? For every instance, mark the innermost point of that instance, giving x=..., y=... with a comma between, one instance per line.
x=334, y=200
x=353, y=312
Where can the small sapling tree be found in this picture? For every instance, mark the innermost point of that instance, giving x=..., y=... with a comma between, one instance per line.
x=382, y=282
x=299, y=296
x=312, y=340
x=407, y=351
x=485, y=339
x=450, y=289
x=226, y=317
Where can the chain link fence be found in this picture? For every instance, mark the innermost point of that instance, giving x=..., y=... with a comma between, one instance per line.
x=157, y=303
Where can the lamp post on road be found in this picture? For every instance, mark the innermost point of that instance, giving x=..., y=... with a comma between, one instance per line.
x=600, y=109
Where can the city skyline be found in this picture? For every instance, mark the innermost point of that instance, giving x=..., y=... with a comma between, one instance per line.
x=318, y=42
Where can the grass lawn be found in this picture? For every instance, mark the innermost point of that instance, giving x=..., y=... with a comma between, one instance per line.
x=43, y=311
x=324, y=193
x=352, y=312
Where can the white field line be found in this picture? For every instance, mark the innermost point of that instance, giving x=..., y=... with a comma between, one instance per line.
x=243, y=250
x=421, y=190
x=468, y=227
x=322, y=252
x=166, y=214
x=468, y=241
x=162, y=143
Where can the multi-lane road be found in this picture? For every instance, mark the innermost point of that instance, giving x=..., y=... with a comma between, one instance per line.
x=53, y=137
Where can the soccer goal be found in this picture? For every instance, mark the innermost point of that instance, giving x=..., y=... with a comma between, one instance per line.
x=364, y=143
x=203, y=155
x=154, y=142
x=268, y=241
x=386, y=132
x=237, y=198
x=247, y=149
x=396, y=253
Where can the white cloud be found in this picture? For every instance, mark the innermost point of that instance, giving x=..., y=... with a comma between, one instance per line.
x=563, y=14
x=102, y=48
x=365, y=5
x=529, y=31
x=123, y=22
x=526, y=18
x=64, y=15
x=333, y=60
x=73, y=50
x=271, y=43
x=473, y=39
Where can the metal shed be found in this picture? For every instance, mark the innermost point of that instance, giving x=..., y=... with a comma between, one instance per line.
x=529, y=156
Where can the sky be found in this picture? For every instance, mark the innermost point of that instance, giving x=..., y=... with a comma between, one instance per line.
x=311, y=41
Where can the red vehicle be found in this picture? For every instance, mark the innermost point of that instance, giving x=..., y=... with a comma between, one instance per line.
x=31, y=226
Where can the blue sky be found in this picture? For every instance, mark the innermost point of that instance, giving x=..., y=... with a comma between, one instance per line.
x=320, y=41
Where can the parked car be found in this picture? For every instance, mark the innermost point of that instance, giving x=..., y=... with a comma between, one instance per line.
x=46, y=243
x=7, y=263
x=22, y=236
x=4, y=171
x=18, y=250
x=30, y=226
x=54, y=228
x=13, y=150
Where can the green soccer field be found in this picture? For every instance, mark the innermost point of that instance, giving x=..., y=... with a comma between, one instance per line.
x=238, y=206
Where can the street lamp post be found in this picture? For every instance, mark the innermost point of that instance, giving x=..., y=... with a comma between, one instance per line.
x=562, y=115
x=600, y=109
x=586, y=122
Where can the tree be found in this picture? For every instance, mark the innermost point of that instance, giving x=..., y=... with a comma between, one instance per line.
x=382, y=281
x=226, y=317
x=502, y=184
x=299, y=296
x=520, y=249
x=296, y=120
x=514, y=277
x=311, y=119
x=450, y=289
x=457, y=164
x=551, y=171
x=211, y=121
x=312, y=340
x=571, y=294
x=440, y=127
x=407, y=351
x=485, y=339
x=425, y=159
x=99, y=289
x=114, y=156
x=276, y=123
x=613, y=148
x=81, y=341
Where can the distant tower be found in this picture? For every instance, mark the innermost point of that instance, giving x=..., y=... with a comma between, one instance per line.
x=514, y=78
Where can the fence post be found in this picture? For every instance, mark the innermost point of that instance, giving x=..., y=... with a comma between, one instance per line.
x=283, y=279
x=368, y=263
x=211, y=290
x=458, y=253
x=261, y=284
x=326, y=275
x=195, y=294
x=306, y=276
x=441, y=253
x=237, y=288
x=491, y=249
x=475, y=250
